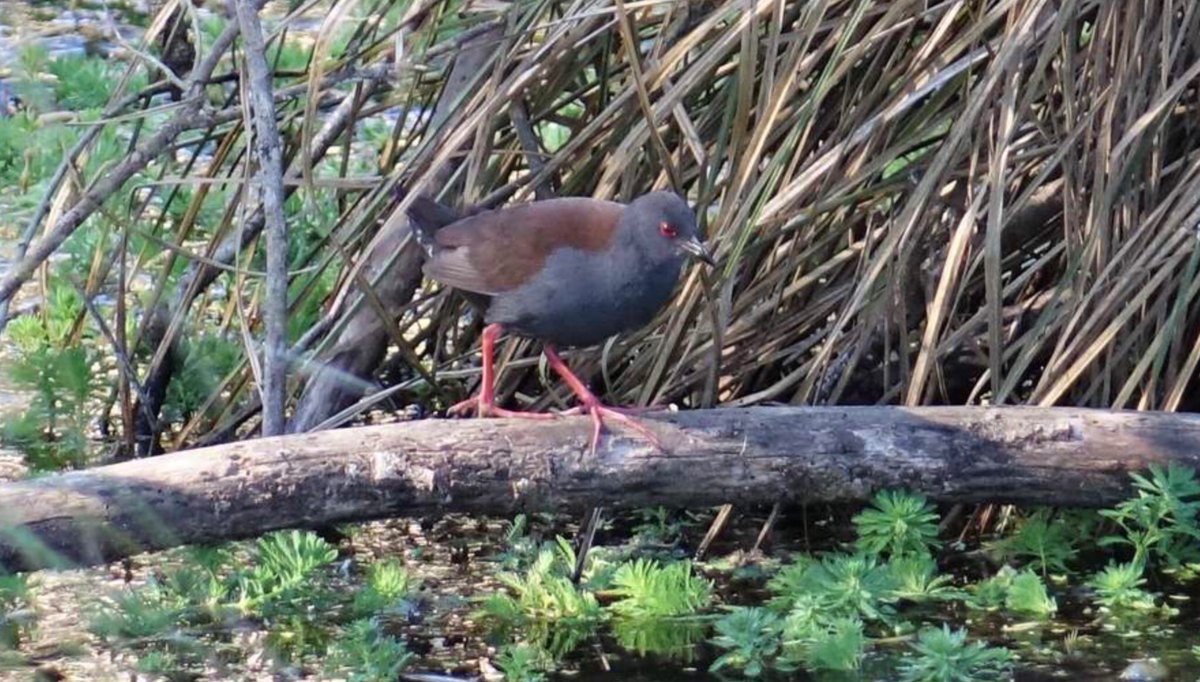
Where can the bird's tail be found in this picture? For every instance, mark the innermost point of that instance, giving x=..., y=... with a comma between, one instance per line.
x=427, y=217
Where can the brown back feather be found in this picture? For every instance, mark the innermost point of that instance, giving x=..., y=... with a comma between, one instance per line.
x=500, y=250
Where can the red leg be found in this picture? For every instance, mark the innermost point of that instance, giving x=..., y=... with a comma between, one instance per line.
x=592, y=405
x=484, y=404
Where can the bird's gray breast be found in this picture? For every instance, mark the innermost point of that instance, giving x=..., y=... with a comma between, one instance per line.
x=580, y=298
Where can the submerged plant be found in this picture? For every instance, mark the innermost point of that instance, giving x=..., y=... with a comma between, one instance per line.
x=661, y=526
x=897, y=524
x=944, y=655
x=840, y=646
x=670, y=637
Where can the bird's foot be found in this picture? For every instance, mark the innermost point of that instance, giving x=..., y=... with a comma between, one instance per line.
x=598, y=411
x=485, y=408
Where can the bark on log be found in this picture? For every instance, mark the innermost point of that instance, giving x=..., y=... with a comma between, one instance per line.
x=1061, y=456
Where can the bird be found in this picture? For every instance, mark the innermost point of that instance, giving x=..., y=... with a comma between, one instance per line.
x=569, y=272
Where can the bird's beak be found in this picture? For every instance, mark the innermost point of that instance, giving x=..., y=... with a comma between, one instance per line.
x=696, y=248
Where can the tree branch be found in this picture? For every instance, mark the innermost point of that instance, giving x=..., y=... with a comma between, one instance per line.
x=268, y=151
x=1054, y=456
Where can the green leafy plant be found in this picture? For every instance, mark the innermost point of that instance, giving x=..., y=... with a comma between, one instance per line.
x=1119, y=588
x=146, y=621
x=82, y=82
x=16, y=614
x=1042, y=543
x=897, y=524
x=207, y=361
x=58, y=374
x=991, y=593
x=644, y=589
x=387, y=589
x=944, y=655
x=853, y=584
x=915, y=578
x=661, y=526
x=283, y=562
x=751, y=639
x=523, y=663
x=838, y=646
x=364, y=653
x=1027, y=595
x=543, y=603
x=1022, y=592
x=818, y=639
x=668, y=637
x=1159, y=521
x=792, y=582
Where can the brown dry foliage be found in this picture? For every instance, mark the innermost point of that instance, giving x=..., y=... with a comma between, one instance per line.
x=913, y=202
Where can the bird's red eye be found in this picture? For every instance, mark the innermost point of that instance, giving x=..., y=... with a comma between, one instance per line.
x=667, y=230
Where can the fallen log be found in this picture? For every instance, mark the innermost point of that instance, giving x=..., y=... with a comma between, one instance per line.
x=1057, y=456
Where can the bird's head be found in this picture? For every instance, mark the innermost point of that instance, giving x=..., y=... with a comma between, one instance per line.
x=666, y=224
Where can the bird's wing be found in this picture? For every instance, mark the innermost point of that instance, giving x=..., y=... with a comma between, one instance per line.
x=497, y=251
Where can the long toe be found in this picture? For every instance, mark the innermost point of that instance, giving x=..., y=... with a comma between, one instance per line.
x=599, y=412
x=465, y=408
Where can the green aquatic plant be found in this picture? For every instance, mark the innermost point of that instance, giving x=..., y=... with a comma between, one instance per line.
x=815, y=639
x=1020, y=592
x=989, y=594
x=840, y=646
x=17, y=618
x=751, y=639
x=543, y=592
x=84, y=82
x=944, y=655
x=284, y=562
x=661, y=526
x=668, y=637
x=915, y=578
x=387, y=588
x=206, y=362
x=1160, y=521
x=1118, y=588
x=897, y=524
x=790, y=583
x=645, y=589
x=1043, y=542
x=523, y=663
x=853, y=584
x=58, y=372
x=364, y=653
x=1027, y=595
